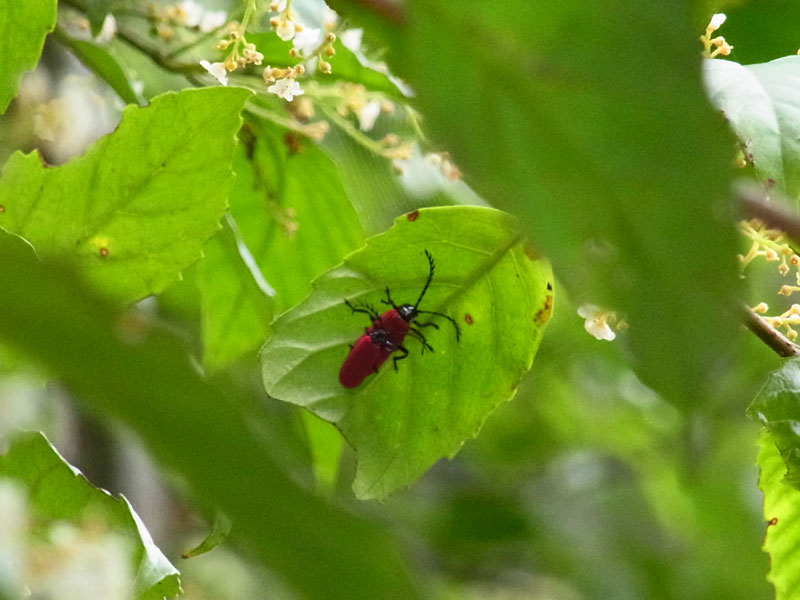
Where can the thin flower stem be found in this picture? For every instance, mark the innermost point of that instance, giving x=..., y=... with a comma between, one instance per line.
x=263, y=113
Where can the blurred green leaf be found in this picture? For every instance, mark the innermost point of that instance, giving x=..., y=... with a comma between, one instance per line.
x=104, y=65
x=136, y=208
x=220, y=530
x=401, y=423
x=777, y=407
x=597, y=133
x=58, y=492
x=781, y=511
x=325, y=444
x=144, y=377
x=23, y=27
x=761, y=103
x=236, y=303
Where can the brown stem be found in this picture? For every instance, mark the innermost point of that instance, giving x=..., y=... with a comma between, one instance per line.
x=768, y=334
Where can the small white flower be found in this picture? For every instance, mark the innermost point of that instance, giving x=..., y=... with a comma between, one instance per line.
x=285, y=29
x=212, y=20
x=329, y=18
x=108, y=30
x=369, y=114
x=596, y=322
x=286, y=88
x=716, y=21
x=307, y=40
x=217, y=69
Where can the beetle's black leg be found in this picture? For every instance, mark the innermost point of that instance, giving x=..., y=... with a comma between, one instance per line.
x=389, y=300
x=455, y=325
x=402, y=349
x=428, y=324
x=364, y=308
x=421, y=338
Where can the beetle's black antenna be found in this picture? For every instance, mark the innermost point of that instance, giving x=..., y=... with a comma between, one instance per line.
x=430, y=277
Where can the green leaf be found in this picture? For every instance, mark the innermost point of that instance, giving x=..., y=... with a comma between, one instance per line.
x=781, y=511
x=597, y=133
x=58, y=492
x=346, y=66
x=292, y=210
x=236, y=303
x=762, y=102
x=104, y=65
x=777, y=407
x=23, y=27
x=326, y=446
x=144, y=377
x=137, y=207
x=401, y=423
x=218, y=534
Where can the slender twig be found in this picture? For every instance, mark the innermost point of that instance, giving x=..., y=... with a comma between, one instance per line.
x=768, y=334
x=754, y=205
x=161, y=60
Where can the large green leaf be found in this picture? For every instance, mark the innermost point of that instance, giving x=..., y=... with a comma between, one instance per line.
x=762, y=104
x=777, y=407
x=590, y=122
x=57, y=492
x=23, y=27
x=292, y=210
x=143, y=376
x=137, y=207
x=781, y=511
x=401, y=422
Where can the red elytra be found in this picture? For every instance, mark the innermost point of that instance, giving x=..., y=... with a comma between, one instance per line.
x=386, y=335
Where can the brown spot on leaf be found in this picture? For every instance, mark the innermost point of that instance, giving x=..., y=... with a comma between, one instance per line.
x=103, y=252
x=468, y=319
x=543, y=314
x=412, y=216
x=2, y=208
x=531, y=252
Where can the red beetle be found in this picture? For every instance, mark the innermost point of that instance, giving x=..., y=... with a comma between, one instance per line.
x=386, y=334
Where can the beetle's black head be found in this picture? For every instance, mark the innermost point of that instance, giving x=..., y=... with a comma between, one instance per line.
x=407, y=312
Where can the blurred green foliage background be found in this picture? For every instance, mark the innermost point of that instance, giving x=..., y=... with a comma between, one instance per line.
x=621, y=470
